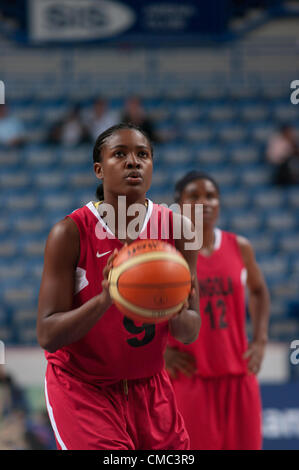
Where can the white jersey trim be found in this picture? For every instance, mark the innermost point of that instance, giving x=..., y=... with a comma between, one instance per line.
x=218, y=238
x=53, y=423
x=243, y=277
x=149, y=211
x=91, y=207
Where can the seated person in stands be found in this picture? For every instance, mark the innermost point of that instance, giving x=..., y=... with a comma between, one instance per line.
x=100, y=118
x=12, y=130
x=135, y=113
x=70, y=131
x=283, y=153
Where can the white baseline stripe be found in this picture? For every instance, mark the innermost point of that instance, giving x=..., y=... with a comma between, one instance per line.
x=51, y=416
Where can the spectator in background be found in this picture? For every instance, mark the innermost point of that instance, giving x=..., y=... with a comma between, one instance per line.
x=70, y=131
x=100, y=118
x=283, y=153
x=12, y=130
x=135, y=113
x=18, y=431
x=13, y=410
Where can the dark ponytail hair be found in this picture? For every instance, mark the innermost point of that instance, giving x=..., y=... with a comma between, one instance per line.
x=101, y=141
x=188, y=178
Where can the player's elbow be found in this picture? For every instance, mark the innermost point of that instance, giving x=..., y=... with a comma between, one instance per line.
x=45, y=341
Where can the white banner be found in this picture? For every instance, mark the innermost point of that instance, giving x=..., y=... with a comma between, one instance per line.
x=72, y=20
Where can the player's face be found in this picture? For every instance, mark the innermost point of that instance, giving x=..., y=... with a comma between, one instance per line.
x=203, y=192
x=126, y=165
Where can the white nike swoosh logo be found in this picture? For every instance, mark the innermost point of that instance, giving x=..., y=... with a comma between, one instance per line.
x=99, y=255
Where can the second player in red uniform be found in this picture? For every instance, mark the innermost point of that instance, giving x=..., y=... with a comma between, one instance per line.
x=214, y=378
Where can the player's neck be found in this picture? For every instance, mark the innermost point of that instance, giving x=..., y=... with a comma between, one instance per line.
x=121, y=206
x=208, y=240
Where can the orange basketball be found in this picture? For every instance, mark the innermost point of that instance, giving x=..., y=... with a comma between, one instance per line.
x=149, y=281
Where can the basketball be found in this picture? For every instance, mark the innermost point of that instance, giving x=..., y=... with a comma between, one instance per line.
x=149, y=281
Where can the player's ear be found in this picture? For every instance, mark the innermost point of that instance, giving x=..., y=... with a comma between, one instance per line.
x=98, y=169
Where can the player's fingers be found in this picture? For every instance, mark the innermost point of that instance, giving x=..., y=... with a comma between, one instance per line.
x=192, y=290
x=109, y=264
x=172, y=372
x=247, y=353
x=112, y=256
x=254, y=368
x=188, y=357
x=184, y=307
x=187, y=371
x=186, y=366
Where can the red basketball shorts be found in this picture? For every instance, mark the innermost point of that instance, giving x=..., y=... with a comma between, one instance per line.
x=221, y=413
x=137, y=415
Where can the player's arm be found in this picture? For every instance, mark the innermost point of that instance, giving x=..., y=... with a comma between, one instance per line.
x=58, y=324
x=185, y=326
x=259, y=306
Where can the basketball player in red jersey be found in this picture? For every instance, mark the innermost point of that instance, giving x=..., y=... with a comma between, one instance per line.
x=215, y=377
x=106, y=386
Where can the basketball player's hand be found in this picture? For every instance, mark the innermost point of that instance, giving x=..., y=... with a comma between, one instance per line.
x=105, y=283
x=255, y=354
x=188, y=301
x=179, y=361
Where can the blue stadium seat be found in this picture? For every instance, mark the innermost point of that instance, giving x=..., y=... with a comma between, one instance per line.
x=210, y=154
x=281, y=220
x=80, y=156
x=246, y=222
x=283, y=330
x=284, y=112
x=174, y=155
x=33, y=223
x=252, y=112
x=262, y=243
x=12, y=276
x=17, y=181
x=235, y=199
x=196, y=132
x=274, y=266
x=231, y=132
x=289, y=242
x=222, y=112
x=25, y=202
x=57, y=201
x=244, y=153
x=83, y=180
x=187, y=113
x=257, y=175
x=40, y=157
x=50, y=179
x=293, y=197
x=10, y=159
x=269, y=198
x=261, y=131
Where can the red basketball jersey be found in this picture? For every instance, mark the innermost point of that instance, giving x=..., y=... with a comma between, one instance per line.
x=222, y=338
x=115, y=348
